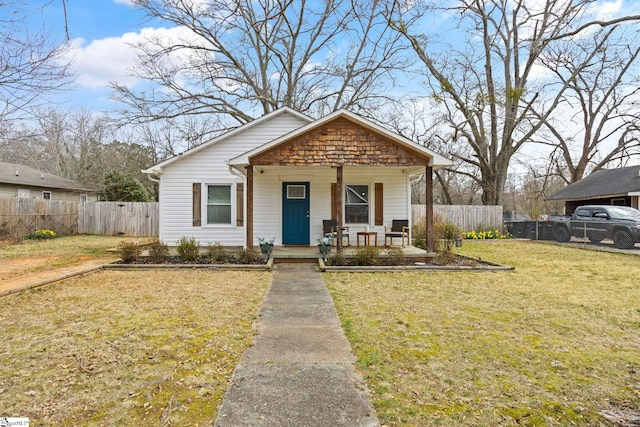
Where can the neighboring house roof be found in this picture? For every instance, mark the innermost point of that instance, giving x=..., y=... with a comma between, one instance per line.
x=158, y=167
x=11, y=173
x=437, y=160
x=603, y=183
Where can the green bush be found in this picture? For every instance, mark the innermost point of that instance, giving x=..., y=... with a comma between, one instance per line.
x=247, y=256
x=129, y=252
x=158, y=252
x=216, y=253
x=368, y=255
x=188, y=249
x=41, y=235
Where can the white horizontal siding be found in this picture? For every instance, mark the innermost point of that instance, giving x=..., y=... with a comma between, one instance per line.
x=268, y=197
x=208, y=166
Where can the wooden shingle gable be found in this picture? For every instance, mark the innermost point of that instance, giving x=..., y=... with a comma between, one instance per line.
x=340, y=142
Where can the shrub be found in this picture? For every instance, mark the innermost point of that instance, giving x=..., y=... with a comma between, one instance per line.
x=445, y=258
x=129, y=252
x=41, y=235
x=446, y=232
x=419, y=233
x=158, y=252
x=395, y=256
x=216, y=253
x=188, y=249
x=337, y=259
x=247, y=256
x=368, y=255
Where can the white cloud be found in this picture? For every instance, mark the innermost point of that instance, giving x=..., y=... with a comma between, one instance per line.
x=111, y=59
x=606, y=9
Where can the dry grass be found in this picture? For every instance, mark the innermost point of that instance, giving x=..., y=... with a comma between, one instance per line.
x=35, y=255
x=555, y=343
x=126, y=348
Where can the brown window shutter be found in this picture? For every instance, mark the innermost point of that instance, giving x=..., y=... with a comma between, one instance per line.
x=239, y=204
x=334, y=196
x=197, y=204
x=379, y=213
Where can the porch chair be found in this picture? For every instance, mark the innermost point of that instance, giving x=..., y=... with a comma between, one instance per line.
x=330, y=229
x=399, y=228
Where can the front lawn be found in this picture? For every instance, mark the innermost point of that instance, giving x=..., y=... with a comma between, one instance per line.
x=124, y=348
x=30, y=256
x=557, y=342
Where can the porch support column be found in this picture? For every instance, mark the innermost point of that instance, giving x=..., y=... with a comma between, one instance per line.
x=249, y=221
x=429, y=195
x=339, y=194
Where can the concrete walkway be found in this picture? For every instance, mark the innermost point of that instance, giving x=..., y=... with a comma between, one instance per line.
x=299, y=371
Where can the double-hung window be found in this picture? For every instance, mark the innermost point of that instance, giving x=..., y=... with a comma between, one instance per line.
x=356, y=204
x=219, y=204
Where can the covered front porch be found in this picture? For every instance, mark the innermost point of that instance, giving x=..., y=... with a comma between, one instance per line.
x=319, y=172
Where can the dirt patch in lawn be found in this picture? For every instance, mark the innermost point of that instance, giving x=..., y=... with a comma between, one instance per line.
x=33, y=261
x=16, y=267
x=126, y=347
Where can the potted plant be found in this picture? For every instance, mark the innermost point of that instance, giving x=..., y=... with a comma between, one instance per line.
x=266, y=245
x=324, y=245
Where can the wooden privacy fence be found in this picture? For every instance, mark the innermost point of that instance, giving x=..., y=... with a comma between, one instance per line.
x=20, y=216
x=118, y=218
x=466, y=217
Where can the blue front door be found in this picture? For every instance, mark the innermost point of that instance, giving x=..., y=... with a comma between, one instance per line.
x=295, y=213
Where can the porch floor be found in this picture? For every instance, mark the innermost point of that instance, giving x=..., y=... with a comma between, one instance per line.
x=311, y=254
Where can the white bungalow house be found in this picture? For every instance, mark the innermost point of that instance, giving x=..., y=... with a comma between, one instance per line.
x=284, y=173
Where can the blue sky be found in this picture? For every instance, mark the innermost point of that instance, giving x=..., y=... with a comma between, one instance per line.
x=99, y=31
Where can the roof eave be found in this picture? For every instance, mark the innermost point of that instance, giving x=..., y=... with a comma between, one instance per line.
x=436, y=161
x=157, y=169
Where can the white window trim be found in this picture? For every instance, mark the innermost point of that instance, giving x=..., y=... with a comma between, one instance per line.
x=204, y=195
x=50, y=195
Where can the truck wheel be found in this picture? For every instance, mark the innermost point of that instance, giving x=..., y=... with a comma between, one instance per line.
x=562, y=234
x=594, y=239
x=622, y=240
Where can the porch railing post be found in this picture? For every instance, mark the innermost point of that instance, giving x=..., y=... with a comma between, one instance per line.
x=249, y=223
x=429, y=213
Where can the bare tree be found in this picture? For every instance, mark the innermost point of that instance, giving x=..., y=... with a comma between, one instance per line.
x=599, y=121
x=77, y=145
x=238, y=59
x=31, y=65
x=486, y=84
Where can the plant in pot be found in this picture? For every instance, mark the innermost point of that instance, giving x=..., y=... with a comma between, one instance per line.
x=266, y=245
x=324, y=245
